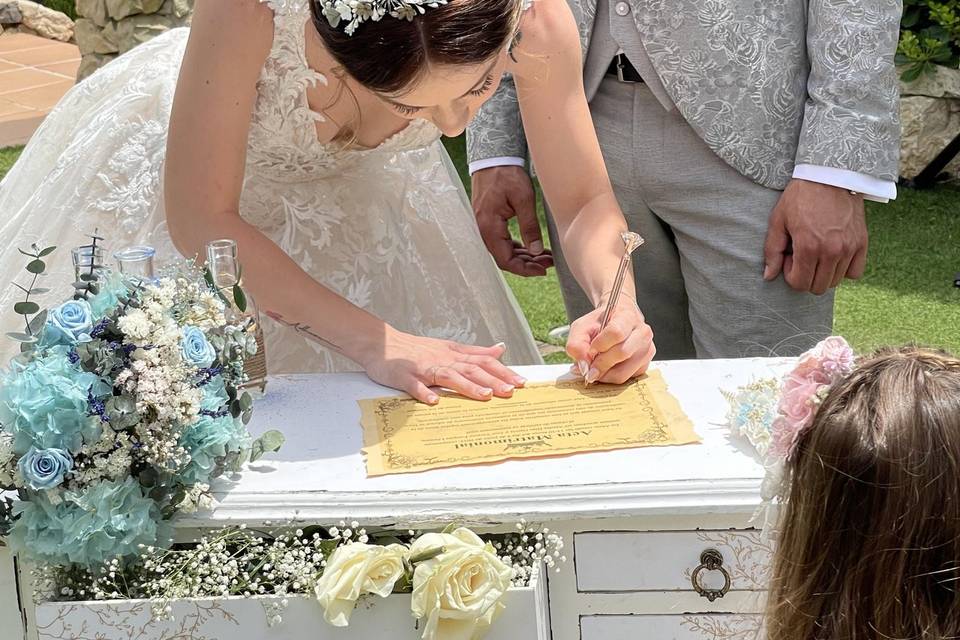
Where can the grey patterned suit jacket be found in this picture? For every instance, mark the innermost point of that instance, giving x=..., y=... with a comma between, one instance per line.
x=767, y=84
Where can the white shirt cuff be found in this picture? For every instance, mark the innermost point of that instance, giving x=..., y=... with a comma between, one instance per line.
x=503, y=161
x=871, y=188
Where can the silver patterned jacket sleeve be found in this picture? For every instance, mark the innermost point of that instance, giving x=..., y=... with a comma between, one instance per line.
x=851, y=119
x=497, y=130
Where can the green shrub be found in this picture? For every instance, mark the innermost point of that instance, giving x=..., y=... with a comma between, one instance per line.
x=929, y=36
x=68, y=7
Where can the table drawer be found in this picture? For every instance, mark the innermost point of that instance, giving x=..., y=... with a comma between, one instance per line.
x=715, y=626
x=635, y=561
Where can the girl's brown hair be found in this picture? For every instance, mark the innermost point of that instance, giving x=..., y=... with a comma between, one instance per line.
x=391, y=54
x=869, y=541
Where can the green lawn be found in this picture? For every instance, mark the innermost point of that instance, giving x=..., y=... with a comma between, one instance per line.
x=905, y=296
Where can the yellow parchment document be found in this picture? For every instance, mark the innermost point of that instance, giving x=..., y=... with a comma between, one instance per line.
x=404, y=436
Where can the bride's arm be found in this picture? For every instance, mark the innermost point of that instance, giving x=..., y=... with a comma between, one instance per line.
x=563, y=143
x=206, y=151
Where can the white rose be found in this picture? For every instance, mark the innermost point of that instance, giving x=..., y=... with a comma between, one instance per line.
x=353, y=570
x=459, y=592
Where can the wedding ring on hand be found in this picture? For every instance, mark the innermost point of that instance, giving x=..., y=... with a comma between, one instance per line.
x=432, y=374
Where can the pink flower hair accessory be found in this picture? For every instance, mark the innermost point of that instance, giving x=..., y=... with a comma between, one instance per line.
x=804, y=389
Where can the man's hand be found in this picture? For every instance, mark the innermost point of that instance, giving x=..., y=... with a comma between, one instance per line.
x=817, y=237
x=501, y=193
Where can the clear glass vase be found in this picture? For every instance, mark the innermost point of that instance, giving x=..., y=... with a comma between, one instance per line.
x=224, y=266
x=136, y=263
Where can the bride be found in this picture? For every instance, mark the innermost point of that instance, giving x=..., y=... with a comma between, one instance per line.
x=308, y=131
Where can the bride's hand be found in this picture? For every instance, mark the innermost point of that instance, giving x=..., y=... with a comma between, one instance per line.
x=414, y=364
x=622, y=351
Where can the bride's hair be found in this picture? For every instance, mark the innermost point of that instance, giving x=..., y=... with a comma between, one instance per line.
x=391, y=54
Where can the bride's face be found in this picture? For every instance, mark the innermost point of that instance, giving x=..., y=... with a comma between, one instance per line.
x=449, y=96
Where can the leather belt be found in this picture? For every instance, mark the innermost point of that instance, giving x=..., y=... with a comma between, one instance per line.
x=623, y=70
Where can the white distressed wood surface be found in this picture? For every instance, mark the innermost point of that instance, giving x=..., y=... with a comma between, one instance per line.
x=320, y=475
x=246, y=619
x=665, y=560
x=672, y=627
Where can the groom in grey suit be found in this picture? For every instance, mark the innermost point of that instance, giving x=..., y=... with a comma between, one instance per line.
x=742, y=137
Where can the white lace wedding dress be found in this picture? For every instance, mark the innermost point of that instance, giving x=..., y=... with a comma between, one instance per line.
x=389, y=228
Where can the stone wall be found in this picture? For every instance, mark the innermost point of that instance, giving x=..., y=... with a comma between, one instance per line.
x=930, y=113
x=107, y=28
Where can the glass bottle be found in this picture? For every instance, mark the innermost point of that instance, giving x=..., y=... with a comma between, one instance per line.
x=87, y=260
x=136, y=263
x=225, y=270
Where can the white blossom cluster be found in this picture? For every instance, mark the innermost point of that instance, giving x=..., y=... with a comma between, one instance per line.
x=109, y=458
x=198, y=498
x=528, y=549
x=158, y=377
x=236, y=561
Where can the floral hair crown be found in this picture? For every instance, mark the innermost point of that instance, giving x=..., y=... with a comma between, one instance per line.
x=355, y=12
x=773, y=413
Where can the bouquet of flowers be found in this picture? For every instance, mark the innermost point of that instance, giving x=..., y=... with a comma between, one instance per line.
x=123, y=405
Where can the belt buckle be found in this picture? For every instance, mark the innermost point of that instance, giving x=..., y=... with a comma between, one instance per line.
x=620, y=58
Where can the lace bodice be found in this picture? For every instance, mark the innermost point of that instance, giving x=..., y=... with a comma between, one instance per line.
x=283, y=139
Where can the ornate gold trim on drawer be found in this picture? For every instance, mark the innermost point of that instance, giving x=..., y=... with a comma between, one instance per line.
x=665, y=561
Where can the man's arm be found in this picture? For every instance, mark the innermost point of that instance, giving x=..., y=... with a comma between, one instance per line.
x=849, y=145
x=501, y=187
x=497, y=131
x=852, y=117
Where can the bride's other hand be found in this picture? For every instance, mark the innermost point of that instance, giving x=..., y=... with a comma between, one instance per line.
x=415, y=364
x=622, y=351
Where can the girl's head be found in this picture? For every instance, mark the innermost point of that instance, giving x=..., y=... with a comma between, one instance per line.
x=869, y=540
x=439, y=66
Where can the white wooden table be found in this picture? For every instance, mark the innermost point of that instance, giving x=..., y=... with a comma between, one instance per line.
x=636, y=521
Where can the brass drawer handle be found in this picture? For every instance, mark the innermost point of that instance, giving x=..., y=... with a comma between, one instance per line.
x=710, y=560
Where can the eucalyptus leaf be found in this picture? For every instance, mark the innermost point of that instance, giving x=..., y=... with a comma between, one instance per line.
x=36, y=266
x=38, y=291
x=148, y=477
x=36, y=324
x=256, y=451
x=88, y=277
x=239, y=297
x=245, y=417
x=271, y=441
x=21, y=337
x=47, y=252
x=246, y=401
x=26, y=308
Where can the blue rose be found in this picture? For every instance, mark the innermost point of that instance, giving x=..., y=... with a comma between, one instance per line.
x=110, y=519
x=196, y=349
x=69, y=323
x=44, y=402
x=44, y=468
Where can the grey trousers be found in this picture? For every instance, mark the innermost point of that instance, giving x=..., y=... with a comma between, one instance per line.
x=699, y=275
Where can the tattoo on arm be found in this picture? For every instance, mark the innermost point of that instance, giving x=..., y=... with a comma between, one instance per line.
x=304, y=330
